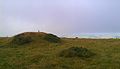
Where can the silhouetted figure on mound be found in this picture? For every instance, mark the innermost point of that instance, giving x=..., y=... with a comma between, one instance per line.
x=38, y=31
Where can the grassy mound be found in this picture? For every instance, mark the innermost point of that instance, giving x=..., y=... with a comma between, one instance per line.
x=76, y=52
x=28, y=37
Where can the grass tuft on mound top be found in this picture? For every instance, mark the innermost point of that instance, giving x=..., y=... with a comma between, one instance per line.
x=77, y=52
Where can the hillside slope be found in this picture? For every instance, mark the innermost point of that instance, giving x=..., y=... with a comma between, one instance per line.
x=38, y=55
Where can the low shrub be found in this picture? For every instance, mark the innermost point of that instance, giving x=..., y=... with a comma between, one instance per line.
x=52, y=38
x=76, y=52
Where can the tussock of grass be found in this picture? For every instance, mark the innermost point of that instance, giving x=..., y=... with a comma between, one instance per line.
x=77, y=52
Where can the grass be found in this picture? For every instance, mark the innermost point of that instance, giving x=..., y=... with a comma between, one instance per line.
x=77, y=52
x=44, y=55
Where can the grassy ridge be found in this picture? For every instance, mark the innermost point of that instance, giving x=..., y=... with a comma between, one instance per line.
x=45, y=55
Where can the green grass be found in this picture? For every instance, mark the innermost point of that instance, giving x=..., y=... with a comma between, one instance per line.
x=44, y=55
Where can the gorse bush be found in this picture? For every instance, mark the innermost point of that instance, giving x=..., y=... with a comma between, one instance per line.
x=76, y=52
x=52, y=38
x=21, y=39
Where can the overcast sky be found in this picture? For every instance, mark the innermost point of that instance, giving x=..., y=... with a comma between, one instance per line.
x=61, y=17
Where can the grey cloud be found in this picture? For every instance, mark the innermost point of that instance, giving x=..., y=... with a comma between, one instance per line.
x=60, y=16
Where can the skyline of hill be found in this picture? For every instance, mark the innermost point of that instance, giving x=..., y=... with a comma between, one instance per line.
x=85, y=35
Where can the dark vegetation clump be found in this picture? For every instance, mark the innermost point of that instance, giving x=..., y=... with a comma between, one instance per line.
x=52, y=38
x=1, y=46
x=77, y=52
x=21, y=39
